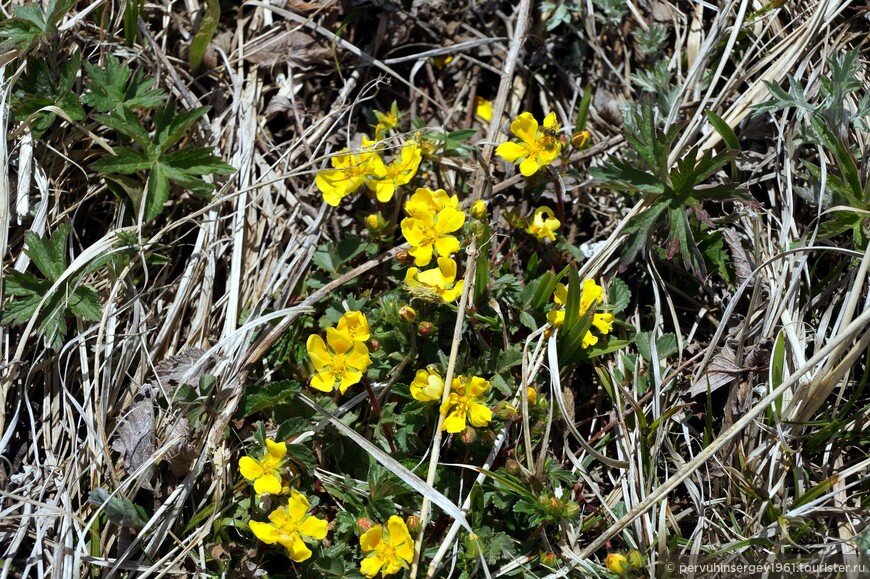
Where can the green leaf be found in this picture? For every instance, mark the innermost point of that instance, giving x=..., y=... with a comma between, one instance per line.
x=618, y=295
x=85, y=303
x=197, y=162
x=115, y=85
x=169, y=133
x=158, y=192
x=682, y=240
x=666, y=345
x=845, y=161
x=125, y=161
x=126, y=123
x=273, y=394
x=49, y=254
x=206, y=31
x=42, y=87
x=639, y=229
x=118, y=508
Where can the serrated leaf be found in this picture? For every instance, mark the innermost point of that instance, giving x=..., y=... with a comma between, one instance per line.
x=618, y=295
x=85, y=303
x=197, y=162
x=119, y=509
x=273, y=394
x=116, y=85
x=49, y=254
x=169, y=133
x=125, y=161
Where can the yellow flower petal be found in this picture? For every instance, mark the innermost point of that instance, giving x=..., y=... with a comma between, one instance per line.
x=371, y=565
x=264, y=531
x=478, y=414
x=314, y=528
x=277, y=450
x=455, y=422
x=296, y=548
x=348, y=379
x=511, y=151
x=529, y=167
x=525, y=127
x=356, y=325
x=250, y=468
x=422, y=254
x=317, y=351
x=324, y=381
x=371, y=539
x=339, y=342
x=297, y=505
x=268, y=483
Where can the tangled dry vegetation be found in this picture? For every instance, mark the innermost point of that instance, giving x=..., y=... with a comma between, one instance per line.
x=163, y=268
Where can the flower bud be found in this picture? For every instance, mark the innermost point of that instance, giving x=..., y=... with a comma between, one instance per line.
x=469, y=435
x=533, y=396
x=414, y=524
x=478, y=210
x=504, y=410
x=580, y=140
x=512, y=467
x=408, y=314
x=375, y=222
x=363, y=524
x=403, y=257
x=635, y=559
x=616, y=563
x=548, y=559
x=374, y=345
x=472, y=546
x=425, y=329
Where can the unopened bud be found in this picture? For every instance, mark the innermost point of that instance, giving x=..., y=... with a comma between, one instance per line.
x=616, y=563
x=504, y=410
x=363, y=524
x=548, y=559
x=374, y=345
x=469, y=435
x=408, y=314
x=533, y=396
x=414, y=524
x=375, y=222
x=478, y=210
x=580, y=140
x=635, y=559
x=425, y=329
x=512, y=467
x=403, y=257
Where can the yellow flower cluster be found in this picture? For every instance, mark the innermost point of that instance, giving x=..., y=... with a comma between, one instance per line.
x=464, y=402
x=538, y=146
x=432, y=218
x=344, y=357
x=592, y=295
x=290, y=526
x=365, y=166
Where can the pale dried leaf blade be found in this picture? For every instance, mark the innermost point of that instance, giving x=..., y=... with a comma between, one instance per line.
x=134, y=438
x=175, y=369
x=722, y=370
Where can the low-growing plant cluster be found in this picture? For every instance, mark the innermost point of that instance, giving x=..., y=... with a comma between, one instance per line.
x=562, y=315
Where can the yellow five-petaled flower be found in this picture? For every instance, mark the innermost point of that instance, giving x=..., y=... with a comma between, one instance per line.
x=350, y=171
x=288, y=525
x=428, y=385
x=591, y=293
x=439, y=281
x=387, y=554
x=544, y=224
x=265, y=471
x=538, y=147
x=340, y=360
x=400, y=171
x=464, y=404
x=433, y=217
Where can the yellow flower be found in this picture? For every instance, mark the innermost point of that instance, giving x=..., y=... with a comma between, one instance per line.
x=375, y=222
x=591, y=293
x=344, y=361
x=433, y=216
x=428, y=385
x=544, y=224
x=439, y=280
x=350, y=172
x=616, y=563
x=263, y=471
x=288, y=525
x=441, y=61
x=386, y=121
x=580, y=140
x=386, y=554
x=532, y=396
x=425, y=203
x=354, y=325
x=463, y=404
x=483, y=108
x=400, y=171
x=538, y=147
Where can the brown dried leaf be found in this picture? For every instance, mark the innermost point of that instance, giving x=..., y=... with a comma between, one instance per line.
x=174, y=369
x=295, y=46
x=743, y=265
